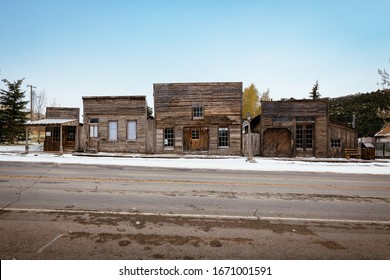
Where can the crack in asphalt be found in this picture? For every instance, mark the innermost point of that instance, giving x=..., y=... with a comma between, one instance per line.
x=19, y=193
x=255, y=214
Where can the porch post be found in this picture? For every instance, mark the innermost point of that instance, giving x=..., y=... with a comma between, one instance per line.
x=61, y=146
x=250, y=159
x=26, y=147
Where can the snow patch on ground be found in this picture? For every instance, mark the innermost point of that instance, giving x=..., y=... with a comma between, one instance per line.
x=15, y=154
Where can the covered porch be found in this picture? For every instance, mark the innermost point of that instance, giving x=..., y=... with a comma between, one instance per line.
x=60, y=134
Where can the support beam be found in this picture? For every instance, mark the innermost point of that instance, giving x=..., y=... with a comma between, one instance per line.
x=26, y=148
x=61, y=145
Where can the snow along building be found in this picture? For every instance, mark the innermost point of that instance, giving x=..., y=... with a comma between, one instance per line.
x=302, y=128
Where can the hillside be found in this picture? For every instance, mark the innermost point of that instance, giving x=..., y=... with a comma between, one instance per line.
x=372, y=111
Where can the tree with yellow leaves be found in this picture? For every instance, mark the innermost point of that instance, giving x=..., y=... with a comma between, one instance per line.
x=250, y=101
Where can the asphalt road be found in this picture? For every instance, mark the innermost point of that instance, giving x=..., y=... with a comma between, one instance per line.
x=51, y=211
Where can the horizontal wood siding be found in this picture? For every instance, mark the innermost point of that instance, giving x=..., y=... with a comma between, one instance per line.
x=291, y=113
x=120, y=109
x=62, y=113
x=288, y=114
x=221, y=103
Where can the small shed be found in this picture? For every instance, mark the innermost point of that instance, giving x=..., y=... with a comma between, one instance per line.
x=382, y=143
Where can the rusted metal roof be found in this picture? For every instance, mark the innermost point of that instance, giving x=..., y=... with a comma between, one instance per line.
x=384, y=132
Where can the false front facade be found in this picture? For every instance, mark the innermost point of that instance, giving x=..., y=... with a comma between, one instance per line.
x=198, y=118
x=115, y=124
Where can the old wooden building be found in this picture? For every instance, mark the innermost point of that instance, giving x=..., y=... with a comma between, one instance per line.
x=62, y=129
x=116, y=124
x=198, y=118
x=302, y=128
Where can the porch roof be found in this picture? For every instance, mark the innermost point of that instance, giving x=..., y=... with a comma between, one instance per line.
x=384, y=132
x=53, y=122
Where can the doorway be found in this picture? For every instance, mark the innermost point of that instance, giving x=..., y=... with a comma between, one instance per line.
x=195, y=139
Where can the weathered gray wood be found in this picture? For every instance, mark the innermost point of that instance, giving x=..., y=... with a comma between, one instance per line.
x=278, y=116
x=120, y=109
x=221, y=103
x=68, y=143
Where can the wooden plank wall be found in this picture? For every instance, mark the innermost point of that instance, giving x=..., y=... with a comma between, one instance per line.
x=287, y=114
x=222, y=104
x=121, y=109
x=347, y=135
x=62, y=113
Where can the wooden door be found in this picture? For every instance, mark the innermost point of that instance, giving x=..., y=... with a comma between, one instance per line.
x=69, y=137
x=277, y=143
x=195, y=139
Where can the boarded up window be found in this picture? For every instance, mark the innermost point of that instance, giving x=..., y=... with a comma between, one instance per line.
x=132, y=130
x=113, y=131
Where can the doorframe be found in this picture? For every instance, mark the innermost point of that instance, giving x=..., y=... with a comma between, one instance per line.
x=203, y=130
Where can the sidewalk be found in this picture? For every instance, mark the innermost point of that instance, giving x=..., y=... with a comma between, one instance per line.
x=236, y=163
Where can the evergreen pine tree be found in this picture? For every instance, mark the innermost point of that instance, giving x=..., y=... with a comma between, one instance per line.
x=315, y=94
x=13, y=116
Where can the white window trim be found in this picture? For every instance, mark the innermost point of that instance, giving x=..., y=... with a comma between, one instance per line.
x=131, y=136
x=113, y=131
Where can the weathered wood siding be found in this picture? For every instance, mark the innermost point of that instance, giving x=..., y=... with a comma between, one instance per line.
x=289, y=114
x=120, y=109
x=346, y=135
x=221, y=103
x=300, y=117
x=62, y=113
x=68, y=143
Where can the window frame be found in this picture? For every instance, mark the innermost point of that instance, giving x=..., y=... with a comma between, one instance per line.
x=110, y=130
x=197, y=112
x=131, y=136
x=304, y=136
x=93, y=128
x=169, y=138
x=223, y=139
x=335, y=143
x=55, y=134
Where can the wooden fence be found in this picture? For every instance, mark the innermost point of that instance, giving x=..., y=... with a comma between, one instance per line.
x=255, y=143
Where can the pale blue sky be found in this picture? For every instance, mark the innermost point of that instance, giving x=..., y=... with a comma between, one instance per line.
x=79, y=48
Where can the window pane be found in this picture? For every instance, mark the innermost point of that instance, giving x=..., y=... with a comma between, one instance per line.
x=56, y=134
x=309, y=136
x=112, y=131
x=195, y=134
x=93, y=131
x=197, y=112
x=131, y=130
x=299, y=136
x=223, y=137
x=169, y=137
